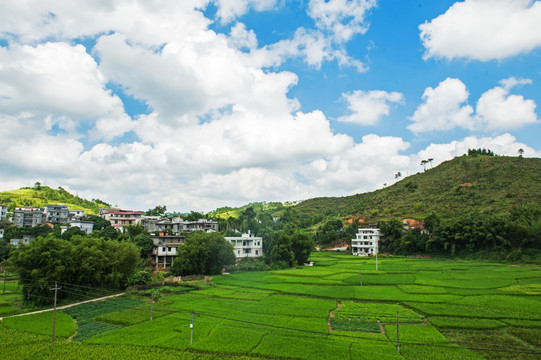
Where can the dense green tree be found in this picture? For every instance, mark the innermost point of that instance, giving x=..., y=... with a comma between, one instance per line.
x=282, y=254
x=302, y=246
x=203, y=254
x=159, y=210
x=99, y=222
x=134, y=230
x=193, y=216
x=84, y=260
x=72, y=231
x=12, y=232
x=392, y=234
x=144, y=243
x=5, y=250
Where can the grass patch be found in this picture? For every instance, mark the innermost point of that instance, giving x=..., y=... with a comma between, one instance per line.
x=42, y=323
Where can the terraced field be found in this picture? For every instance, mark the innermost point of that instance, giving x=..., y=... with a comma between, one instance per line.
x=445, y=310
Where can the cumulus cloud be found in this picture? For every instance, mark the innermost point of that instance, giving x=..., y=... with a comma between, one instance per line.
x=241, y=38
x=505, y=144
x=151, y=22
x=229, y=10
x=444, y=108
x=367, y=107
x=56, y=84
x=483, y=30
x=343, y=18
x=497, y=109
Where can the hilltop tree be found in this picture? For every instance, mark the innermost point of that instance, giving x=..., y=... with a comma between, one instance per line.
x=157, y=211
x=203, y=254
x=144, y=243
x=302, y=246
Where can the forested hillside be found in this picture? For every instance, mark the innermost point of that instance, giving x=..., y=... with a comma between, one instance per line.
x=486, y=184
x=39, y=196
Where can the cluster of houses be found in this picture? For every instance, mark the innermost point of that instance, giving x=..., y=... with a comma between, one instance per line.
x=167, y=234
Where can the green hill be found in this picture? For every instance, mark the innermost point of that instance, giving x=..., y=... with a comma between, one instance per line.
x=39, y=196
x=485, y=184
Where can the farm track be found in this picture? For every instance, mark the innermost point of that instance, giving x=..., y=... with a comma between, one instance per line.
x=66, y=306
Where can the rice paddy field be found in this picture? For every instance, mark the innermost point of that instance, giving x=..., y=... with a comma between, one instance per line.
x=406, y=309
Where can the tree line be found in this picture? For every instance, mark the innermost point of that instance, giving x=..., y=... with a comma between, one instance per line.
x=514, y=236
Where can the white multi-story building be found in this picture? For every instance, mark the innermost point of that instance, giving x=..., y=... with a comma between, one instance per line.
x=246, y=245
x=3, y=212
x=86, y=226
x=366, y=242
x=205, y=225
x=121, y=218
x=165, y=248
x=28, y=216
x=56, y=214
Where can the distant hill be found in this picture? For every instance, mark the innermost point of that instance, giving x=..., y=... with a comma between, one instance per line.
x=39, y=196
x=490, y=184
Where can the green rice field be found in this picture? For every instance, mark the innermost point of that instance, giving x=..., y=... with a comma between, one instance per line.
x=407, y=309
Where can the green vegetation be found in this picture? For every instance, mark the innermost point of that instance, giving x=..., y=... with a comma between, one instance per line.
x=40, y=323
x=82, y=261
x=484, y=184
x=39, y=196
x=318, y=312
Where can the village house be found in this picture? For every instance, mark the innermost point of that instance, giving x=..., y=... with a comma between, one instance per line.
x=165, y=248
x=86, y=226
x=366, y=242
x=3, y=212
x=76, y=214
x=246, y=245
x=26, y=239
x=121, y=218
x=56, y=214
x=28, y=216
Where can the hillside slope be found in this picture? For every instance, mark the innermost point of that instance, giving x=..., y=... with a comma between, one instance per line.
x=39, y=196
x=462, y=185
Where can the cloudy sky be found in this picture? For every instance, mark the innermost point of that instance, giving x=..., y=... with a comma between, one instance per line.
x=198, y=104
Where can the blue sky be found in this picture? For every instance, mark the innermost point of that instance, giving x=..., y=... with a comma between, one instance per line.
x=207, y=103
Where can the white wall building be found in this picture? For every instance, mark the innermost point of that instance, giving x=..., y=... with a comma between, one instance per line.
x=366, y=242
x=3, y=212
x=165, y=248
x=86, y=226
x=246, y=245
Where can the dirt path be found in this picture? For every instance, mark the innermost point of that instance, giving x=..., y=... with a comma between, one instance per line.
x=66, y=306
x=331, y=315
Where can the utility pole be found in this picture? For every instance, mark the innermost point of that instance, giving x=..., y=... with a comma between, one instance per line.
x=397, y=334
x=151, y=304
x=56, y=288
x=191, y=326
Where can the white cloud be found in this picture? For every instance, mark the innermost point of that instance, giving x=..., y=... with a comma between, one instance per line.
x=505, y=144
x=367, y=107
x=483, y=30
x=56, y=84
x=343, y=18
x=150, y=22
x=443, y=109
x=360, y=168
x=241, y=38
x=229, y=10
x=498, y=110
